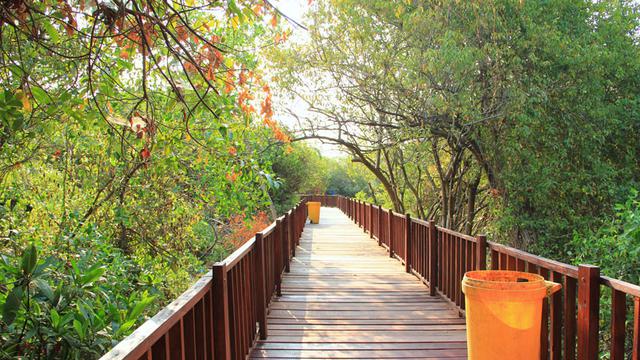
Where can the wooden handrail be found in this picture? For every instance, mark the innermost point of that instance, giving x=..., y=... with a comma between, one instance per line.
x=158, y=327
x=439, y=257
x=217, y=316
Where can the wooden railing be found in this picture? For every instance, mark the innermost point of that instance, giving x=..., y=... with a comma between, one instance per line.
x=224, y=313
x=440, y=257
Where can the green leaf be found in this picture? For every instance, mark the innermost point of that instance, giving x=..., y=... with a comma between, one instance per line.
x=40, y=95
x=223, y=131
x=92, y=275
x=139, y=307
x=29, y=259
x=51, y=31
x=126, y=326
x=12, y=305
x=43, y=286
x=55, y=318
x=79, y=328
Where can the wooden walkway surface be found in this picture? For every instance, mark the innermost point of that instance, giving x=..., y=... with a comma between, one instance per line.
x=346, y=298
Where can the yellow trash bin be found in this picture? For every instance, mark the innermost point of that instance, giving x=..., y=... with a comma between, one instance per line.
x=314, y=211
x=504, y=312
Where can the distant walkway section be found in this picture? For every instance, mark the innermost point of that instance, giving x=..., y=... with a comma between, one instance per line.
x=346, y=298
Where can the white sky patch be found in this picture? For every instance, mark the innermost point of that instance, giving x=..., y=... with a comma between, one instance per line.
x=297, y=11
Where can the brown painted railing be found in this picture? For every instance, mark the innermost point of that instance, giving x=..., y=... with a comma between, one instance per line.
x=223, y=313
x=440, y=257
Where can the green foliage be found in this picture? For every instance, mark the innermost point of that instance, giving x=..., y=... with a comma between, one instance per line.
x=129, y=137
x=303, y=170
x=347, y=178
x=615, y=248
x=515, y=118
x=567, y=152
x=61, y=307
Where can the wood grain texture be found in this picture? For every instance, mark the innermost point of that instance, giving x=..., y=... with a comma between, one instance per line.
x=344, y=297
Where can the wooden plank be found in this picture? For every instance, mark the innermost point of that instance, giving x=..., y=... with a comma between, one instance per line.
x=452, y=319
x=360, y=354
x=362, y=346
x=396, y=336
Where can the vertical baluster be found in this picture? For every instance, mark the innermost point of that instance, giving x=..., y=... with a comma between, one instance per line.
x=433, y=259
x=380, y=227
x=234, y=312
x=292, y=232
x=220, y=313
x=279, y=266
x=570, y=318
x=189, y=336
x=208, y=301
x=287, y=242
x=370, y=219
x=636, y=329
x=544, y=333
x=260, y=286
x=495, y=264
x=390, y=232
x=407, y=243
x=426, y=251
x=504, y=264
x=174, y=342
x=201, y=329
x=446, y=257
x=618, y=319
x=183, y=343
x=555, y=328
x=481, y=252
x=460, y=267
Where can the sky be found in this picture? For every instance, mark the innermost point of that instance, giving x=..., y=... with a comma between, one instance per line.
x=296, y=10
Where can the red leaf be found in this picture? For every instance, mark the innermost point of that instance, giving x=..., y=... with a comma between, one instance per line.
x=145, y=154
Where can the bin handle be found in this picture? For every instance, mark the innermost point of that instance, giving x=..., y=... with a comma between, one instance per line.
x=552, y=287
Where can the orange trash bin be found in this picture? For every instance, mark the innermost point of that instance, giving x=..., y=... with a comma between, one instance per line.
x=504, y=313
x=313, y=208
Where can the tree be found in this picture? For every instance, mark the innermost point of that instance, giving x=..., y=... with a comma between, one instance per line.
x=507, y=105
x=131, y=136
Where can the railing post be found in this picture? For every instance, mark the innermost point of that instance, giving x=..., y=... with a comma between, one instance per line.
x=481, y=252
x=287, y=241
x=356, y=212
x=433, y=257
x=292, y=232
x=380, y=229
x=636, y=329
x=407, y=243
x=390, y=232
x=588, y=311
x=260, y=283
x=370, y=221
x=221, y=339
x=280, y=256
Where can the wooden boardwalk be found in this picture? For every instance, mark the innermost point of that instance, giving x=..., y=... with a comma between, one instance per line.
x=346, y=298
